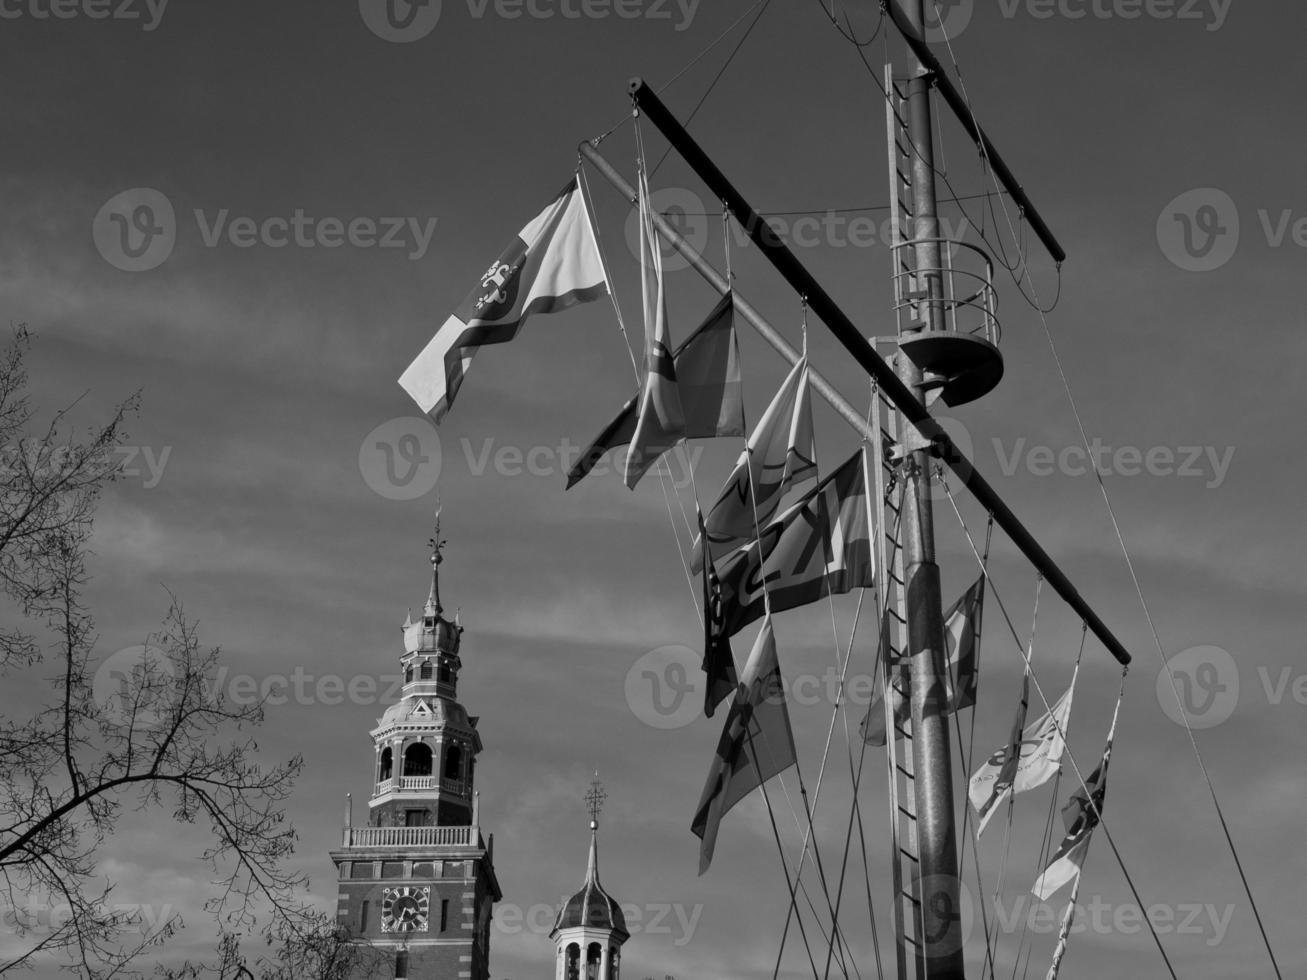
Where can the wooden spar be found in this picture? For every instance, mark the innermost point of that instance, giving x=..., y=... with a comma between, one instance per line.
x=962, y=109
x=839, y=324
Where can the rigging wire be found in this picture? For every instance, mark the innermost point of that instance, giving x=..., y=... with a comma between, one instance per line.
x=693, y=61
x=839, y=708
x=967, y=755
x=1034, y=677
x=716, y=78
x=1152, y=625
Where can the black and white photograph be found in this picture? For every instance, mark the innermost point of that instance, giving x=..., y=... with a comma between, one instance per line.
x=652, y=490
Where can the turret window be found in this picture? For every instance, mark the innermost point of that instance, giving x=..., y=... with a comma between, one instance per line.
x=417, y=760
x=387, y=765
x=445, y=674
x=426, y=670
x=454, y=762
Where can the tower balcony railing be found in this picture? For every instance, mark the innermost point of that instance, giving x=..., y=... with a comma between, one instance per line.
x=412, y=836
x=401, y=783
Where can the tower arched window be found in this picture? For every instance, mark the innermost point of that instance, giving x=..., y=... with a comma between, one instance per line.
x=426, y=670
x=387, y=765
x=408, y=674
x=417, y=759
x=454, y=762
x=572, y=962
x=594, y=954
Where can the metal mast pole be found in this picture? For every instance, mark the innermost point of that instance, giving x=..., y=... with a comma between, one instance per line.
x=932, y=750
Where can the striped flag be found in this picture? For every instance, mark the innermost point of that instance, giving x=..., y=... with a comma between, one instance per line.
x=1081, y=815
x=756, y=743
x=660, y=424
x=820, y=546
x=552, y=265
x=779, y=455
x=707, y=368
x=962, y=645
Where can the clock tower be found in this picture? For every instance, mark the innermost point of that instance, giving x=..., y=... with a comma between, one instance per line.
x=417, y=881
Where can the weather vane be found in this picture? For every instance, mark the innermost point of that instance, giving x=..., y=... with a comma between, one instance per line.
x=595, y=798
x=437, y=542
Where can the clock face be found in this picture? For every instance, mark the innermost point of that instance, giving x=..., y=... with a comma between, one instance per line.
x=404, y=909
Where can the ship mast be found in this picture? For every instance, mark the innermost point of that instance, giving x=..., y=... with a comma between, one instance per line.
x=932, y=759
x=936, y=361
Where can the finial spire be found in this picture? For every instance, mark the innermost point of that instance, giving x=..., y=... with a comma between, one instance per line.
x=437, y=544
x=595, y=798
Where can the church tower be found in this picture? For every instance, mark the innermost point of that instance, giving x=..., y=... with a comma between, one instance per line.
x=418, y=880
x=590, y=929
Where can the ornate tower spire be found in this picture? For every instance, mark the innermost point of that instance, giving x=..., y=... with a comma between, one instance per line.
x=418, y=880
x=595, y=798
x=590, y=929
x=437, y=543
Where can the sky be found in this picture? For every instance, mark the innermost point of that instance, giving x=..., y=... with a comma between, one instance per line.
x=1160, y=140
